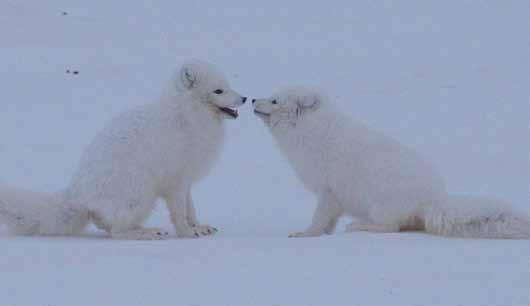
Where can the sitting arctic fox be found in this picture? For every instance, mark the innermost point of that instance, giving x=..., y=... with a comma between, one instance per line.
x=384, y=185
x=156, y=151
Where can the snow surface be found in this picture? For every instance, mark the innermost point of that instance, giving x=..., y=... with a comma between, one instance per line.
x=450, y=78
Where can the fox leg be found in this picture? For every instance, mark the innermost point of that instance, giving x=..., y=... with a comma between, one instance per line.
x=325, y=218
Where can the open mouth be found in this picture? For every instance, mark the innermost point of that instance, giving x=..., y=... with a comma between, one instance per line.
x=229, y=111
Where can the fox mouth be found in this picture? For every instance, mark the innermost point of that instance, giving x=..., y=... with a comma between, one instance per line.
x=261, y=114
x=232, y=113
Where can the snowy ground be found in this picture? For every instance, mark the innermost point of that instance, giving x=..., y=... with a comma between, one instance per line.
x=450, y=78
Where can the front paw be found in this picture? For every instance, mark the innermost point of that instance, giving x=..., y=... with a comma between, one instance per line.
x=303, y=234
x=204, y=230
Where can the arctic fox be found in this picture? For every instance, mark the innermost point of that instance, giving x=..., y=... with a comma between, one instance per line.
x=155, y=151
x=384, y=185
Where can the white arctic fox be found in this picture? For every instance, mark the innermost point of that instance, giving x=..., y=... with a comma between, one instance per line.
x=385, y=186
x=156, y=151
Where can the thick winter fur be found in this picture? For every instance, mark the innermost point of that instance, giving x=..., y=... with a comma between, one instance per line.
x=156, y=151
x=384, y=185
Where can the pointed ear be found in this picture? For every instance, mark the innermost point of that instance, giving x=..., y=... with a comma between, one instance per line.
x=310, y=101
x=188, y=77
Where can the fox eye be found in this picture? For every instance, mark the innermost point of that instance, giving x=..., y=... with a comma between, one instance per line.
x=274, y=102
x=218, y=91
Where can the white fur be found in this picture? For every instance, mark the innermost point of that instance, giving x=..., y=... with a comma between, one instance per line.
x=359, y=172
x=155, y=151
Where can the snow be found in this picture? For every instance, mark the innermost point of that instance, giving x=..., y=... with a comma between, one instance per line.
x=360, y=269
x=448, y=78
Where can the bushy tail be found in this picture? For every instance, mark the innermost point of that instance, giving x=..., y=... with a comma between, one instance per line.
x=35, y=213
x=475, y=217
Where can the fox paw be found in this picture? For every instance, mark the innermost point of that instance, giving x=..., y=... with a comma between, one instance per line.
x=197, y=231
x=303, y=234
x=204, y=230
x=142, y=234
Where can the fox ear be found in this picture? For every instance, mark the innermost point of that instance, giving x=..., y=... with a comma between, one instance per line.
x=188, y=77
x=310, y=101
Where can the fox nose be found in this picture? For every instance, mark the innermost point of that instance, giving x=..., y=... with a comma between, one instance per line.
x=253, y=101
x=244, y=100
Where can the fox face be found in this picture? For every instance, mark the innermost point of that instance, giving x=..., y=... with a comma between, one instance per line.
x=207, y=85
x=287, y=106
